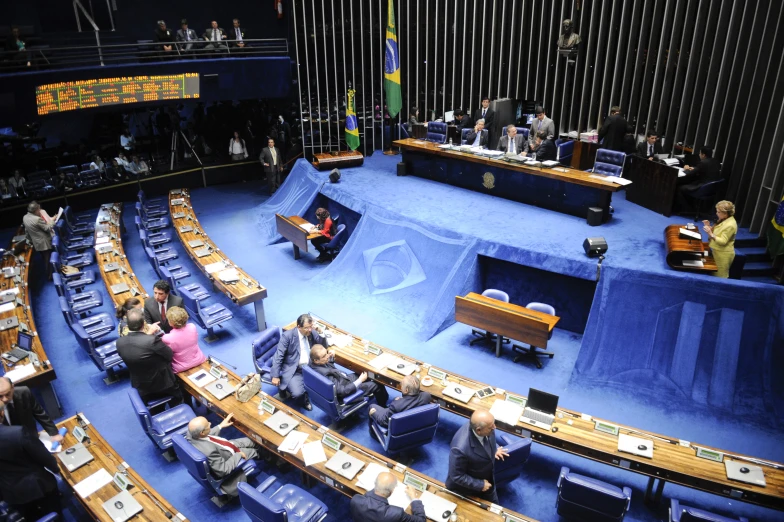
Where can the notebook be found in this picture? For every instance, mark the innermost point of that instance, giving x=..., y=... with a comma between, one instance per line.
x=744, y=472
x=202, y=252
x=193, y=243
x=220, y=389
x=635, y=445
x=402, y=367
x=110, y=267
x=75, y=457
x=119, y=288
x=122, y=506
x=459, y=391
x=186, y=228
x=281, y=423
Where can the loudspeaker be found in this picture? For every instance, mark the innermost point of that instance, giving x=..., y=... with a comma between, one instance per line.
x=401, y=169
x=334, y=176
x=594, y=246
x=595, y=216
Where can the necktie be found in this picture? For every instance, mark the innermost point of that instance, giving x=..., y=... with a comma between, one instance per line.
x=163, y=312
x=484, y=111
x=225, y=443
x=650, y=150
x=511, y=144
x=486, y=444
x=238, y=34
x=188, y=36
x=214, y=35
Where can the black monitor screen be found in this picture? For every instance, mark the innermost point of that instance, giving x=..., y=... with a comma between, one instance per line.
x=25, y=341
x=542, y=401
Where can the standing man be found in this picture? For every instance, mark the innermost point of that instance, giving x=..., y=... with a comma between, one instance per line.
x=373, y=506
x=478, y=137
x=345, y=383
x=186, y=36
x=237, y=35
x=21, y=409
x=511, y=143
x=412, y=397
x=487, y=114
x=214, y=37
x=273, y=165
x=540, y=124
x=38, y=230
x=650, y=147
x=292, y=354
x=155, y=307
x=613, y=130
x=148, y=360
x=472, y=458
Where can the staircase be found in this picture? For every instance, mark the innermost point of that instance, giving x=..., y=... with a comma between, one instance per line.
x=759, y=266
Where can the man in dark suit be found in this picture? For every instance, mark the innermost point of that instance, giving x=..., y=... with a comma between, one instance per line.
x=148, y=360
x=345, y=383
x=21, y=409
x=165, y=37
x=186, y=36
x=373, y=506
x=511, y=143
x=463, y=120
x=545, y=149
x=650, y=147
x=613, y=130
x=215, y=37
x=237, y=34
x=485, y=113
x=292, y=354
x=706, y=171
x=478, y=136
x=472, y=458
x=272, y=160
x=155, y=307
x=27, y=481
x=411, y=398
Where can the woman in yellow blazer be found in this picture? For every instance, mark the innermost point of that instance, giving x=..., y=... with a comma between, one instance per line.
x=722, y=237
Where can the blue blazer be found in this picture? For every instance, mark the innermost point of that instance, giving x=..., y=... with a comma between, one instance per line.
x=403, y=403
x=286, y=358
x=26, y=466
x=373, y=508
x=469, y=463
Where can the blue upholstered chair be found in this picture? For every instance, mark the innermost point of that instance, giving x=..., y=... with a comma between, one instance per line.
x=207, y=317
x=79, y=222
x=79, y=303
x=163, y=255
x=162, y=426
x=104, y=356
x=333, y=247
x=264, y=347
x=270, y=502
x=403, y=130
x=408, y=429
x=155, y=239
x=486, y=337
x=523, y=131
x=79, y=260
x=72, y=282
x=510, y=468
x=70, y=240
x=531, y=353
x=196, y=463
x=609, y=162
x=706, y=197
x=197, y=291
x=681, y=513
x=322, y=393
x=150, y=223
x=154, y=203
x=89, y=178
x=97, y=325
x=464, y=136
x=436, y=132
x=587, y=499
x=565, y=151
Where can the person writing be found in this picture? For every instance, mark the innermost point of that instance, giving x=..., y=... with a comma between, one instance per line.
x=183, y=339
x=374, y=506
x=722, y=237
x=324, y=229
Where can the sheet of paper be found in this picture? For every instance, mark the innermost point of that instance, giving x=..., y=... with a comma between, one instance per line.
x=313, y=453
x=507, y=412
x=230, y=275
x=367, y=480
x=339, y=340
x=671, y=161
x=14, y=290
x=307, y=226
x=382, y=361
x=399, y=497
x=293, y=442
x=102, y=240
x=693, y=263
x=435, y=506
x=47, y=442
x=20, y=372
x=7, y=307
x=93, y=483
x=618, y=180
x=681, y=173
x=690, y=233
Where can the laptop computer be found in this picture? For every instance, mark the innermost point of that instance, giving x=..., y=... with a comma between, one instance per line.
x=178, y=201
x=186, y=228
x=178, y=215
x=110, y=267
x=193, y=243
x=122, y=506
x=7, y=297
x=402, y=367
x=11, y=271
x=744, y=472
x=7, y=324
x=22, y=349
x=202, y=252
x=104, y=249
x=75, y=457
x=220, y=389
x=459, y=391
x=281, y=423
x=119, y=288
x=344, y=464
x=635, y=445
x=540, y=408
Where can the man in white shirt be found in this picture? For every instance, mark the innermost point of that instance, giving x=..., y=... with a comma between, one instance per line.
x=272, y=160
x=127, y=141
x=186, y=36
x=17, y=183
x=292, y=354
x=215, y=36
x=139, y=167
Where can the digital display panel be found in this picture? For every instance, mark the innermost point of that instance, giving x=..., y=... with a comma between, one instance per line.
x=86, y=94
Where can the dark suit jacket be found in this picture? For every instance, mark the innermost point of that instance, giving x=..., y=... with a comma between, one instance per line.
x=286, y=358
x=152, y=310
x=166, y=36
x=26, y=410
x=24, y=461
x=546, y=151
x=471, y=136
x=489, y=117
x=344, y=382
x=231, y=34
x=642, y=148
x=373, y=508
x=465, y=123
x=208, y=34
x=266, y=157
x=503, y=143
x=182, y=37
x=705, y=171
x=149, y=362
x=469, y=463
x=612, y=132
x=402, y=403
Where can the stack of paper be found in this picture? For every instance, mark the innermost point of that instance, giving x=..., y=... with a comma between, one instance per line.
x=399, y=497
x=383, y=360
x=693, y=263
x=339, y=340
x=307, y=226
x=367, y=480
x=214, y=267
x=20, y=372
x=506, y=412
x=293, y=442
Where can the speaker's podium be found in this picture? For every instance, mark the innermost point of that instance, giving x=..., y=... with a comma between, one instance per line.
x=337, y=159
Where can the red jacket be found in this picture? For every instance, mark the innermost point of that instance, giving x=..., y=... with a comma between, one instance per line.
x=326, y=229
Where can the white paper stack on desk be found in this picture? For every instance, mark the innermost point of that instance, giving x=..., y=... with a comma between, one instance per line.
x=435, y=507
x=293, y=442
x=506, y=412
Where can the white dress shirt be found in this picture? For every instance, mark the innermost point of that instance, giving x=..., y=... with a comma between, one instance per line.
x=304, y=349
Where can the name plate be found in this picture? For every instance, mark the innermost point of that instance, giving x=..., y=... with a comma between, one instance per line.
x=267, y=406
x=436, y=374
x=79, y=433
x=414, y=482
x=330, y=442
x=514, y=399
x=606, y=427
x=375, y=350
x=715, y=456
x=510, y=518
x=215, y=372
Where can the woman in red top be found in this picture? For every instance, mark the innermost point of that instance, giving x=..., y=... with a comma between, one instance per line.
x=325, y=229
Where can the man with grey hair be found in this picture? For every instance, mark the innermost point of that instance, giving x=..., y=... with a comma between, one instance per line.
x=472, y=457
x=223, y=456
x=373, y=506
x=478, y=137
x=411, y=398
x=345, y=383
x=38, y=230
x=512, y=143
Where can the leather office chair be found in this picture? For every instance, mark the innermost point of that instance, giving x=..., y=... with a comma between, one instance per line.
x=83, y=223
x=162, y=426
x=155, y=203
x=487, y=337
x=89, y=178
x=207, y=317
x=72, y=282
x=175, y=270
x=155, y=238
x=151, y=223
x=408, y=429
x=96, y=326
x=322, y=393
x=333, y=247
x=706, y=197
x=72, y=242
x=264, y=347
x=681, y=513
x=79, y=303
x=104, y=356
x=565, y=151
x=464, y=136
x=436, y=132
x=270, y=502
x=163, y=255
x=196, y=463
x=9, y=513
x=531, y=353
x=522, y=131
x=586, y=498
x=609, y=162
x=79, y=260
x=403, y=130
x=510, y=468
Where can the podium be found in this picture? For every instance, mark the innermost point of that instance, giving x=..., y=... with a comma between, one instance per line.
x=681, y=249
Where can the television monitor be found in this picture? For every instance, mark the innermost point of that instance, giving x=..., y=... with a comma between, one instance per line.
x=528, y=118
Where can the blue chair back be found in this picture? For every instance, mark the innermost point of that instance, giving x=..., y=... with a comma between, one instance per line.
x=334, y=243
x=565, y=151
x=404, y=131
x=195, y=462
x=142, y=413
x=65, y=308
x=681, y=513
x=259, y=507
x=321, y=391
x=264, y=347
x=523, y=131
x=58, y=285
x=708, y=190
x=510, y=468
x=609, y=162
x=412, y=428
x=499, y=295
x=545, y=309
x=586, y=498
x=192, y=307
x=464, y=135
x=436, y=132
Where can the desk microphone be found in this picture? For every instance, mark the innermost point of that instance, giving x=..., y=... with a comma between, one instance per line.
x=218, y=362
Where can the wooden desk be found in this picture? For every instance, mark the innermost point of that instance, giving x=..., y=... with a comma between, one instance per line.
x=250, y=421
x=104, y=456
x=576, y=434
x=289, y=228
x=584, y=154
x=505, y=319
x=680, y=249
x=240, y=292
x=560, y=188
x=109, y=223
x=44, y=373
x=653, y=184
x=343, y=159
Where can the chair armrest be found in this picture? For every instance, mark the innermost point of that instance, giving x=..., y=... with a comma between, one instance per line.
x=354, y=397
x=311, y=512
x=564, y=472
x=79, y=297
x=675, y=511
x=267, y=484
x=628, y=492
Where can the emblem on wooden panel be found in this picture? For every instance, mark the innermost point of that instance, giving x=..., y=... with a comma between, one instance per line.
x=488, y=180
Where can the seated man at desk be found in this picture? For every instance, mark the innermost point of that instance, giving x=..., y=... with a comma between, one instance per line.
x=650, y=147
x=21, y=409
x=706, y=171
x=223, y=455
x=373, y=506
x=292, y=354
x=463, y=120
x=511, y=143
x=345, y=383
x=411, y=398
x=478, y=137
x=544, y=148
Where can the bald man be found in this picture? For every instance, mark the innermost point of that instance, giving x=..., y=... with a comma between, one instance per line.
x=223, y=456
x=345, y=383
x=373, y=506
x=472, y=458
x=411, y=398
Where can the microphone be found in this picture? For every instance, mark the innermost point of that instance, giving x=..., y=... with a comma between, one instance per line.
x=217, y=362
x=599, y=268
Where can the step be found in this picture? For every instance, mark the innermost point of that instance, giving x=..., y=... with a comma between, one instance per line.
x=769, y=280
x=751, y=242
x=754, y=254
x=758, y=269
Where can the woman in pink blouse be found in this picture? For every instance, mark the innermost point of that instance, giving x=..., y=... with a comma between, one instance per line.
x=183, y=340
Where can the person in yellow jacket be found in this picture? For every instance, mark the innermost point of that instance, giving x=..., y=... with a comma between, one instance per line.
x=722, y=237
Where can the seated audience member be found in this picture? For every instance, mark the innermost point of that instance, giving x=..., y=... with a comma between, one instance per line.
x=15, y=47
x=118, y=169
x=183, y=339
x=156, y=306
x=186, y=36
x=21, y=409
x=215, y=37
x=463, y=120
x=478, y=136
x=148, y=361
x=63, y=183
x=292, y=353
x=411, y=398
x=164, y=36
x=544, y=148
x=650, y=147
x=127, y=141
x=706, y=171
x=223, y=455
x=98, y=164
x=139, y=167
x=324, y=228
x=5, y=191
x=373, y=506
x=345, y=383
x=122, y=312
x=17, y=183
x=237, y=34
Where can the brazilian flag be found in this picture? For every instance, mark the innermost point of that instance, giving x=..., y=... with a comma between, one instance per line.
x=392, y=65
x=352, y=132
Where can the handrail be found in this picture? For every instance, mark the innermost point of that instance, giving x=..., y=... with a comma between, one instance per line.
x=77, y=3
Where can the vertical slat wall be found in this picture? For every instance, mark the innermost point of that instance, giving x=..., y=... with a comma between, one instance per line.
x=699, y=72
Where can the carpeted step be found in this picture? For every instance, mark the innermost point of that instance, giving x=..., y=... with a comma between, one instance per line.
x=770, y=280
x=755, y=254
x=751, y=242
x=758, y=269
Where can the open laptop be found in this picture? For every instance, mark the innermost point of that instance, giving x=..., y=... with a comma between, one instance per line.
x=744, y=472
x=122, y=506
x=220, y=389
x=635, y=445
x=402, y=367
x=344, y=464
x=202, y=252
x=75, y=457
x=281, y=423
x=24, y=345
x=540, y=408
x=460, y=392
x=119, y=288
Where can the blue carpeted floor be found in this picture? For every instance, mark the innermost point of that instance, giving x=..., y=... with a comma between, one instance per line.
x=470, y=225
